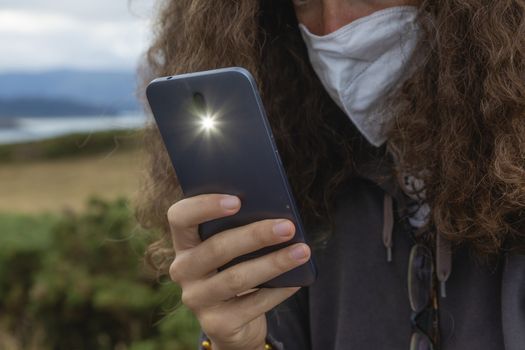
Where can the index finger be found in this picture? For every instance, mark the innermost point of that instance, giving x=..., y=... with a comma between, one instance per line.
x=185, y=216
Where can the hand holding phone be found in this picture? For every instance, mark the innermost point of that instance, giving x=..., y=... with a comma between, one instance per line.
x=238, y=322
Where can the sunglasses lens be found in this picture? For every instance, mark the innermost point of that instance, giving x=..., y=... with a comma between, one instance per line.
x=420, y=342
x=419, y=277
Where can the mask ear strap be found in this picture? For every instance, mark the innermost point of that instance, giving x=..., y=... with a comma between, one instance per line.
x=388, y=225
x=443, y=262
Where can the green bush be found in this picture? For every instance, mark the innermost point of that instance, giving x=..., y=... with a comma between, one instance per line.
x=77, y=281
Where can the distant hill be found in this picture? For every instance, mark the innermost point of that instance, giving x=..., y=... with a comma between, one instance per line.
x=49, y=107
x=109, y=90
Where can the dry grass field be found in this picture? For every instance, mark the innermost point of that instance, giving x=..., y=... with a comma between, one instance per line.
x=54, y=185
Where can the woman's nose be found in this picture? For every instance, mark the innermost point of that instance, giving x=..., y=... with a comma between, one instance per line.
x=333, y=18
x=327, y=16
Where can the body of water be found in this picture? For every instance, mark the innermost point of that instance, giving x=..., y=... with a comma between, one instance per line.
x=31, y=129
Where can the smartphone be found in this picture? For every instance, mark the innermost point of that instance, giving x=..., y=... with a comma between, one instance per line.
x=218, y=138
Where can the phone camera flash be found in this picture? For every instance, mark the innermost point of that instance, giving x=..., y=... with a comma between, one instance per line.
x=208, y=123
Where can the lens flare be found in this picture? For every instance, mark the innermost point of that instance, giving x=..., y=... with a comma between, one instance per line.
x=208, y=122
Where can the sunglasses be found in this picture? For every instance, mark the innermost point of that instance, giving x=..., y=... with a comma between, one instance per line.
x=423, y=299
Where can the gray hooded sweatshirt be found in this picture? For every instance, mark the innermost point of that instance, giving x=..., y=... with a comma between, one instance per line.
x=360, y=300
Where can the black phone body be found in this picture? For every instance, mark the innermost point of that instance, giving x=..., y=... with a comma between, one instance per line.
x=216, y=133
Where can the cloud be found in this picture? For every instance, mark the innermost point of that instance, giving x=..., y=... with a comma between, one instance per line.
x=37, y=35
x=91, y=10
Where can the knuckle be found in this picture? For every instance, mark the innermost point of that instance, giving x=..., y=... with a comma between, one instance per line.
x=214, y=324
x=235, y=281
x=207, y=202
x=173, y=213
x=176, y=270
x=189, y=299
x=216, y=246
x=261, y=233
x=281, y=260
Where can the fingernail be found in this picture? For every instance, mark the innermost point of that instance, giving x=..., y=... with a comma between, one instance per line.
x=298, y=253
x=230, y=202
x=282, y=228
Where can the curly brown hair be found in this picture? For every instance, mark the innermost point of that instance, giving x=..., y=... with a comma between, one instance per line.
x=459, y=120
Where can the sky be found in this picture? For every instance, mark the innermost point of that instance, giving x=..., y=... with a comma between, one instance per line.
x=37, y=35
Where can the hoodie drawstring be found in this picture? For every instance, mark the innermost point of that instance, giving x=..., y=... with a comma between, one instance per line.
x=443, y=263
x=388, y=225
x=443, y=247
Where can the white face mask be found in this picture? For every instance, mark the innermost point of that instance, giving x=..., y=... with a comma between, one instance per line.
x=362, y=62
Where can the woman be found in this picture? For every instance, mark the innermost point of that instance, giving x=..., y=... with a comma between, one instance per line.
x=402, y=129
